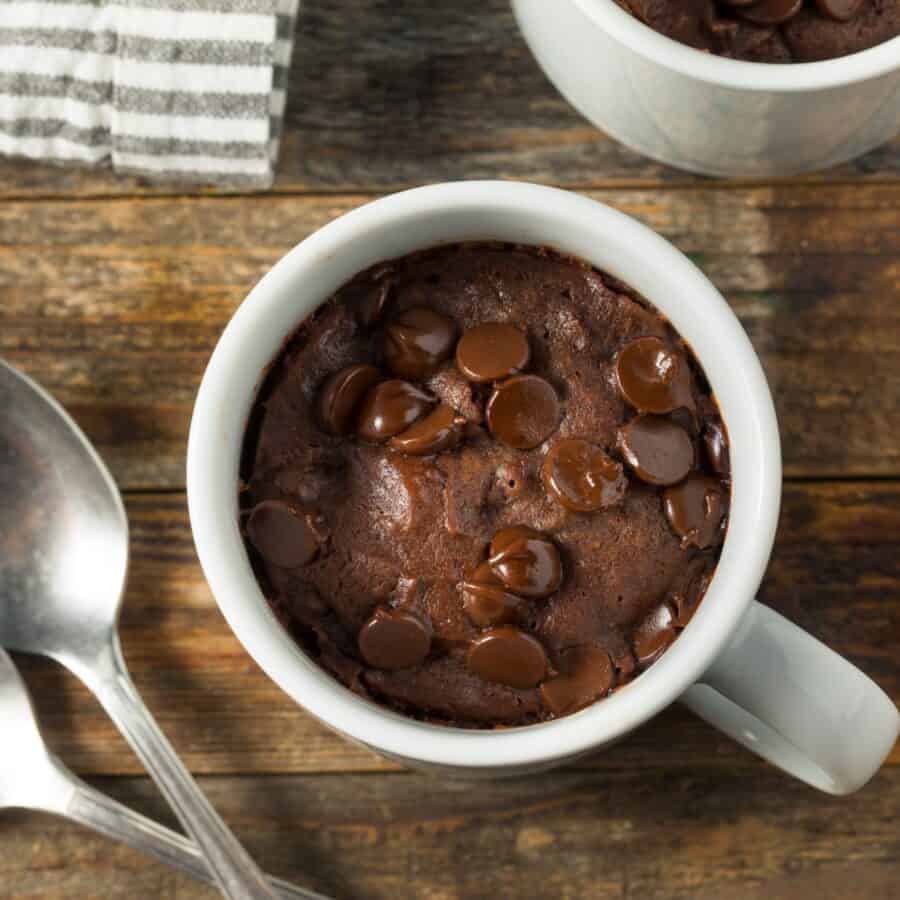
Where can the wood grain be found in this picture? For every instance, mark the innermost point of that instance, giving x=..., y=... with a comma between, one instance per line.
x=692, y=834
x=115, y=306
x=113, y=292
x=384, y=96
x=836, y=572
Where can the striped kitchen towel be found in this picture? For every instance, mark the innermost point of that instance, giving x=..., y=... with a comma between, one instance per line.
x=184, y=89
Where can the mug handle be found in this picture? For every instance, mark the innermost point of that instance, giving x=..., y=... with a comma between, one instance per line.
x=789, y=698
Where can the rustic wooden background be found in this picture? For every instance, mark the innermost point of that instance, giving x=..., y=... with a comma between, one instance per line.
x=112, y=294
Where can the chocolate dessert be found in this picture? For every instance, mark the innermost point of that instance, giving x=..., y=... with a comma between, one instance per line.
x=485, y=485
x=772, y=31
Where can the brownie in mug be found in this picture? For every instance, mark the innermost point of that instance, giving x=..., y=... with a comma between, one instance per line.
x=772, y=31
x=485, y=485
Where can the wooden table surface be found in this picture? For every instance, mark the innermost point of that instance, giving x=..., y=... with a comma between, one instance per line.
x=113, y=293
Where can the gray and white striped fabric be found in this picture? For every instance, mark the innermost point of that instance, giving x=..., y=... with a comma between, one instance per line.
x=184, y=89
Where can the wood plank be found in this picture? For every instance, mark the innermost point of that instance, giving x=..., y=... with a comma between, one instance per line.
x=388, y=96
x=696, y=834
x=836, y=571
x=115, y=306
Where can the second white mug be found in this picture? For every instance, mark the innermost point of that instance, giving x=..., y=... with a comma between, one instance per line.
x=704, y=113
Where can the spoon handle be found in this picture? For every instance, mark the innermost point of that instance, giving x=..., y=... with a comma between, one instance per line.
x=114, y=820
x=236, y=875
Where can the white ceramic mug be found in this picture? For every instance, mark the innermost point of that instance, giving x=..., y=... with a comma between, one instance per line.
x=738, y=664
x=708, y=114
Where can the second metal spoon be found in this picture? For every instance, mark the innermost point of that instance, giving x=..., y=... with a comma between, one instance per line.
x=31, y=777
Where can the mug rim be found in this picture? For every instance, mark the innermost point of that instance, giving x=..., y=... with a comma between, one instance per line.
x=229, y=386
x=739, y=74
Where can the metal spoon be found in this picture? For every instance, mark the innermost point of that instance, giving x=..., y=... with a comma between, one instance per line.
x=63, y=558
x=32, y=778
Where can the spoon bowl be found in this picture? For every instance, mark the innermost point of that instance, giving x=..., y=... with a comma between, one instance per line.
x=64, y=543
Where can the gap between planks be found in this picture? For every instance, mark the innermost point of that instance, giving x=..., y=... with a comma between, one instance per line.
x=613, y=184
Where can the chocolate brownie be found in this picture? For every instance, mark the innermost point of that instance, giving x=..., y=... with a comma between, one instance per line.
x=772, y=31
x=485, y=485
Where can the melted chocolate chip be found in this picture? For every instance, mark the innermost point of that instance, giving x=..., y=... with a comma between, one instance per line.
x=687, y=419
x=342, y=394
x=839, y=10
x=582, y=477
x=658, y=451
x=508, y=656
x=653, y=377
x=370, y=307
x=692, y=587
x=492, y=351
x=417, y=341
x=441, y=429
x=587, y=675
x=625, y=664
x=523, y=411
x=389, y=408
x=654, y=635
x=526, y=561
x=695, y=509
x=485, y=599
x=770, y=12
x=283, y=535
x=394, y=639
x=715, y=443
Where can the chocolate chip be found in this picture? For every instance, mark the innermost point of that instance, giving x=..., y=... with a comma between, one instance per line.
x=654, y=635
x=485, y=599
x=624, y=663
x=440, y=430
x=394, y=639
x=284, y=535
x=659, y=451
x=587, y=675
x=652, y=376
x=508, y=656
x=687, y=419
x=389, y=408
x=839, y=10
x=417, y=341
x=770, y=12
x=492, y=351
x=715, y=443
x=695, y=509
x=523, y=411
x=582, y=477
x=526, y=561
x=342, y=394
x=373, y=300
x=691, y=587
